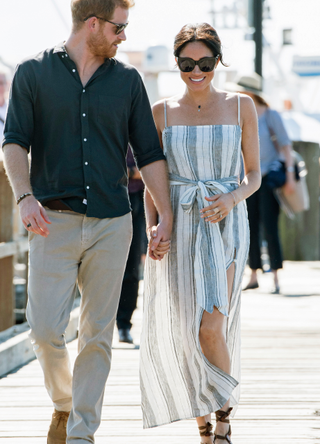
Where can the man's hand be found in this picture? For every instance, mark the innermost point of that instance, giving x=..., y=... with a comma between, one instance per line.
x=32, y=212
x=159, y=240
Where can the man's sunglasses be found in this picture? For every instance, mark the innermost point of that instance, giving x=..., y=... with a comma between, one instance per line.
x=120, y=26
x=206, y=64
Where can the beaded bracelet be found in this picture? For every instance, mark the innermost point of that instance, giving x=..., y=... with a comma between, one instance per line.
x=234, y=199
x=22, y=197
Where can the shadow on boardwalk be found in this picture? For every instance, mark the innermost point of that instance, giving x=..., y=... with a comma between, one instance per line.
x=280, y=402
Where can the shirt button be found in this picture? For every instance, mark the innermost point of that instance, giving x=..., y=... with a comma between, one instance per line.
x=88, y=187
x=84, y=114
x=85, y=140
x=83, y=90
x=66, y=55
x=73, y=70
x=86, y=163
x=63, y=57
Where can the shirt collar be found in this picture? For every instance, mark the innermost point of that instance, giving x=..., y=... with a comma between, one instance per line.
x=59, y=48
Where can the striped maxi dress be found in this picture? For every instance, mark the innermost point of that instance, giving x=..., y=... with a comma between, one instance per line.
x=177, y=381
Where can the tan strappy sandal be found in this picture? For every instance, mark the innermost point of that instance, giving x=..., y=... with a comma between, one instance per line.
x=206, y=430
x=221, y=416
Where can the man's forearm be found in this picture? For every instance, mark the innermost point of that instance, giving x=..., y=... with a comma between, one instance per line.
x=155, y=177
x=17, y=168
x=151, y=212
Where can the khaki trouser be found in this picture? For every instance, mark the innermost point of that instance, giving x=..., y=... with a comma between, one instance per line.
x=91, y=252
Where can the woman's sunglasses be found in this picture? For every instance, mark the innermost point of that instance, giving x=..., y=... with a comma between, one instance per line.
x=120, y=26
x=206, y=64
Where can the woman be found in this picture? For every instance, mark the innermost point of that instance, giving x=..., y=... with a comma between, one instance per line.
x=263, y=208
x=191, y=339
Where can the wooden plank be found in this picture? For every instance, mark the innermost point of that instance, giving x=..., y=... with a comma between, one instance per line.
x=173, y=440
x=15, y=247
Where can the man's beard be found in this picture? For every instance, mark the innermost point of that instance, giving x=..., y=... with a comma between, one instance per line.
x=100, y=47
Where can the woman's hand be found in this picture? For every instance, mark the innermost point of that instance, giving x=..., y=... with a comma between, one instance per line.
x=161, y=249
x=221, y=207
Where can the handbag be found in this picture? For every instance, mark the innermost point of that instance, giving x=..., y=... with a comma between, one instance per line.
x=276, y=177
x=299, y=200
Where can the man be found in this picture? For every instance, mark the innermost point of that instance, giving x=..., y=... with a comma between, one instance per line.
x=3, y=101
x=76, y=108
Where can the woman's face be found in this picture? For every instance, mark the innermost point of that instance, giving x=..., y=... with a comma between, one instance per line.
x=197, y=80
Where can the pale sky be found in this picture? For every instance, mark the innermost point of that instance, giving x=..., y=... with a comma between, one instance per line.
x=29, y=26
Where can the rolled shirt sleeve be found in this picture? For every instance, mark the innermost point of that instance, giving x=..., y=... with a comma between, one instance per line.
x=143, y=135
x=19, y=125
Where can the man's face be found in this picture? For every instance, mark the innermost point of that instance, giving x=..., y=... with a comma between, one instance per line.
x=3, y=87
x=104, y=41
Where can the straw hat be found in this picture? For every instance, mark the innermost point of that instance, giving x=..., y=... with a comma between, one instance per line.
x=251, y=83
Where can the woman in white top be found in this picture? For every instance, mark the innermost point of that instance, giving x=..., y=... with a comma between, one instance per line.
x=190, y=362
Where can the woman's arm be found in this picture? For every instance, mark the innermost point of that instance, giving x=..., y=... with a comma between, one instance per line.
x=250, y=150
x=290, y=184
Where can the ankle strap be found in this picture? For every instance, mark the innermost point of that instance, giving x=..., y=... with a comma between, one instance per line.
x=206, y=430
x=221, y=415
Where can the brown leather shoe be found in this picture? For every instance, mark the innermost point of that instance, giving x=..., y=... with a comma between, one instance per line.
x=58, y=428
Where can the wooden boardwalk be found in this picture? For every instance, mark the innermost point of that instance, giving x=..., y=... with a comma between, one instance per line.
x=280, y=401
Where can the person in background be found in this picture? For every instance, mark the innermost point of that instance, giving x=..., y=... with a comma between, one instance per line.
x=263, y=207
x=130, y=284
x=3, y=100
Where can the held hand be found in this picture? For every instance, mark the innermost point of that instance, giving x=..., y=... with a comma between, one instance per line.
x=162, y=249
x=32, y=212
x=221, y=207
x=159, y=242
x=289, y=186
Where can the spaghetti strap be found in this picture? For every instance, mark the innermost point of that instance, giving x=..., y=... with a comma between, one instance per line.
x=165, y=113
x=239, y=109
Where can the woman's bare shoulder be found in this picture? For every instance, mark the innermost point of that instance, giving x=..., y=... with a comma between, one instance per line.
x=170, y=102
x=227, y=95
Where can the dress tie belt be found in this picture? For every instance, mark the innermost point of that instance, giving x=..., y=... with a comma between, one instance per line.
x=209, y=258
x=201, y=189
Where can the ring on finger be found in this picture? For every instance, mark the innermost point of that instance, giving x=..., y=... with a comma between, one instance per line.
x=220, y=215
x=29, y=225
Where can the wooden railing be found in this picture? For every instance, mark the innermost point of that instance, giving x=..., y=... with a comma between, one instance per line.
x=300, y=237
x=9, y=247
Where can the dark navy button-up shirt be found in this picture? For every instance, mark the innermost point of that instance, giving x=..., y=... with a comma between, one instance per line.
x=78, y=135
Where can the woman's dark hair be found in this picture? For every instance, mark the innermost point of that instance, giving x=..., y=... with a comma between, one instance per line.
x=199, y=32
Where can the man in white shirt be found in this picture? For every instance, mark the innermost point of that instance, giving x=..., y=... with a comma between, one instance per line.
x=3, y=101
